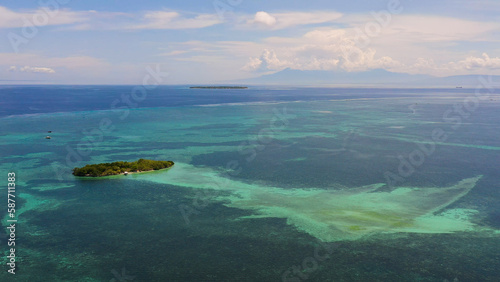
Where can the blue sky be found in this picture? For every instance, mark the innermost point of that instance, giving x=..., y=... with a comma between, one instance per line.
x=216, y=41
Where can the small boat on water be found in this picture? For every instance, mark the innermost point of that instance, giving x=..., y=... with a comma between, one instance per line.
x=48, y=137
x=125, y=173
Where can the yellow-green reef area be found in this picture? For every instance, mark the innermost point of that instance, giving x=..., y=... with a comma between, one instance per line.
x=339, y=214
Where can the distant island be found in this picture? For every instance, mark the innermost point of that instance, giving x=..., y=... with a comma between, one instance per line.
x=218, y=87
x=115, y=168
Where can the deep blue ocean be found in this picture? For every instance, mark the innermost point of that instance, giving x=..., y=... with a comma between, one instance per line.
x=269, y=184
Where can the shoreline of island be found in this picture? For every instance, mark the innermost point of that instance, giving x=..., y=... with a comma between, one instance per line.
x=121, y=168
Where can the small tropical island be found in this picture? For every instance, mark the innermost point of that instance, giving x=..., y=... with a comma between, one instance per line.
x=116, y=168
x=218, y=87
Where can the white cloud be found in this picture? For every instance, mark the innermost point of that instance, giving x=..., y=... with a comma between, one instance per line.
x=347, y=57
x=267, y=61
x=94, y=20
x=474, y=63
x=77, y=62
x=264, y=18
x=418, y=44
x=253, y=64
x=174, y=20
x=222, y=52
x=32, y=69
x=40, y=17
x=277, y=21
x=49, y=63
x=412, y=49
x=173, y=53
x=402, y=43
x=422, y=66
x=37, y=69
x=469, y=65
x=323, y=49
x=421, y=28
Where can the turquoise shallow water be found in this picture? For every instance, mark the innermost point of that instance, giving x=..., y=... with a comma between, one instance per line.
x=262, y=182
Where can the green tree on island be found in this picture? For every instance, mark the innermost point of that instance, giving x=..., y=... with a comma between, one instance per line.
x=106, y=169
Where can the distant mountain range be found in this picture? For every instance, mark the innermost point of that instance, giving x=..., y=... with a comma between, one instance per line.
x=377, y=77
